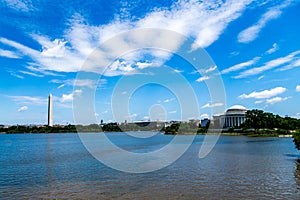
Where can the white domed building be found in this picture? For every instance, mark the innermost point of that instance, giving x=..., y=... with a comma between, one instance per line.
x=233, y=117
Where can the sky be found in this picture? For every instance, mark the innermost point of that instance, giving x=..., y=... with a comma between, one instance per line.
x=126, y=54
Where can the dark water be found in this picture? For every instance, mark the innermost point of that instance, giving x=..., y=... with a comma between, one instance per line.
x=50, y=166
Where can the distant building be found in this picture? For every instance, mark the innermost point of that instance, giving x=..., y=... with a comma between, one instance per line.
x=233, y=117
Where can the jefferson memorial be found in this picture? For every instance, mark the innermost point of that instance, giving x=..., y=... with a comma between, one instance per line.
x=233, y=117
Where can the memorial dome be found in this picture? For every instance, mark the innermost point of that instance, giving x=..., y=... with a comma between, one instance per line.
x=236, y=109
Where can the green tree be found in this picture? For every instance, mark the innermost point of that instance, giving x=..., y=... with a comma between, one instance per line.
x=255, y=119
x=296, y=137
x=173, y=129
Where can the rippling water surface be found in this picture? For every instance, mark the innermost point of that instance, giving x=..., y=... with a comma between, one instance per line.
x=58, y=166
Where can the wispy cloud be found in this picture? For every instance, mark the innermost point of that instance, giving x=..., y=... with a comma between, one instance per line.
x=178, y=71
x=20, y=5
x=104, y=112
x=211, y=69
x=269, y=65
x=259, y=101
x=208, y=105
x=204, y=116
x=23, y=108
x=78, y=82
x=29, y=100
x=8, y=54
x=264, y=94
x=16, y=75
x=253, y=31
x=203, y=20
x=169, y=100
x=276, y=100
x=203, y=78
x=240, y=65
x=172, y=112
x=292, y=65
x=261, y=77
x=298, y=88
x=274, y=48
x=31, y=73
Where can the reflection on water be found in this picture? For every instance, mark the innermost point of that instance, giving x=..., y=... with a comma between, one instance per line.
x=297, y=173
x=58, y=166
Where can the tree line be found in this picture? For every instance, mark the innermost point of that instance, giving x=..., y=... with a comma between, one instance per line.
x=258, y=123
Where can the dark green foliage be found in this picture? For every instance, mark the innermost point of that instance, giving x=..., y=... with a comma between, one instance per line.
x=184, y=128
x=296, y=137
x=113, y=127
x=258, y=119
x=173, y=129
x=40, y=129
x=269, y=124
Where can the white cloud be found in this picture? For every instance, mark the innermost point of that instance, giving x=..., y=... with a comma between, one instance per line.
x=253, y=31
x=23, y=108
x=273, y=49
x=298, y=88
x=264, y=94
x=204, y=116
x=269, y=65
x=61, y=86
x=208, y=105
x=31, y=73
x=29, y=100
x=78, y=82
x=70, y=97
x=173, y=112
x=67, y=97
x=259, y=101
x=56, y=49
x=276, y=100
x=142, y=65
x=132, y=116
x=178, y=71
x=169, y=100
x=261, y=77
x=16, y=75
x=8, y=54
x=211, y=69
x=204, y=21
x=234, y=53
x=240, y=65
x=295, y=63
x=203, y=78
x=119, y=68
x=19, y=5
x=146, y=117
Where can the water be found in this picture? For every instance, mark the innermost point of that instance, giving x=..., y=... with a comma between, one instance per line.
x=51, y=166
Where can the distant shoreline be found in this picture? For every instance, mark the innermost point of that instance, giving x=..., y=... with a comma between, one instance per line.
x=184, y=134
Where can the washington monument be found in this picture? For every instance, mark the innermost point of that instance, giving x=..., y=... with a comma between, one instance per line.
x=50, y=120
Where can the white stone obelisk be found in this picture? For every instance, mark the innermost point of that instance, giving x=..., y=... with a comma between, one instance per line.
x=50, y=120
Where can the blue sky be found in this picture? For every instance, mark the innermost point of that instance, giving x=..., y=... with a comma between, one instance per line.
x=255, y=46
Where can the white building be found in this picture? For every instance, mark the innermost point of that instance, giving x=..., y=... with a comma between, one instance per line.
x=233, y=117
x=50, y=110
